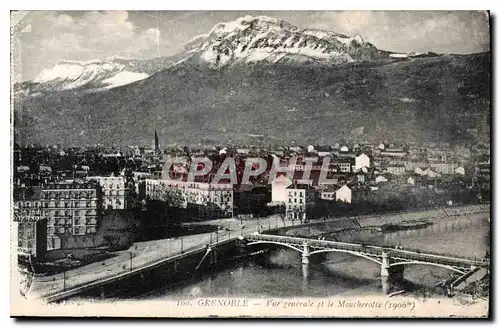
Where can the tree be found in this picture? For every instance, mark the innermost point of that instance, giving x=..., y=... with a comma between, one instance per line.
x=282, y=213
x=301, y=214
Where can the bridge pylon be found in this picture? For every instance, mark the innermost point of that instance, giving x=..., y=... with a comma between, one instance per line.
x=305, y=253
x=384, y=267
x=305, y=261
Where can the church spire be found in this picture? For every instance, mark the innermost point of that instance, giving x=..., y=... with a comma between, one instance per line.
x=157, y=143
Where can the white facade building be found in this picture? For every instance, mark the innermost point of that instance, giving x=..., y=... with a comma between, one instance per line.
x=344, y=194
x=460, y=170
x=431, y=174
x=444, y=168
x=278, y=189
x=380, y=179
x=361, y=161
x=419, y=171
x=115, y=194
x=211, y=199
x=344, y=149
x=396, y=169
x=300, y=203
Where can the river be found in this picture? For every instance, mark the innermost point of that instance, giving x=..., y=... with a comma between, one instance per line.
x=279, y=272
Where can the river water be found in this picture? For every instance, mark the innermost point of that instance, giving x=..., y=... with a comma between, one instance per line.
x=279, y=272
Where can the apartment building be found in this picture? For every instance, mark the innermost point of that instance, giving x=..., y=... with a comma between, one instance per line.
x=344, y=194
x=444, y=167
x=396, y=169
x=116, y=193
x=72, y=209
x=209, y=200
x=31, y=224
x=361, y=161
x=300, y=202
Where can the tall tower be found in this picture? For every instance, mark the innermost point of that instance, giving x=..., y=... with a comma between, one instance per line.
x=157, y=144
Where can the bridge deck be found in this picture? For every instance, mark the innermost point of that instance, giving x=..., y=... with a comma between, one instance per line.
x=403, y=254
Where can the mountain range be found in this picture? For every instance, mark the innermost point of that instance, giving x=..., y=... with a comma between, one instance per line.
x=258, y=80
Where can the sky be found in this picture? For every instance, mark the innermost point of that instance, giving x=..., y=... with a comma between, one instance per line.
x=41, y=38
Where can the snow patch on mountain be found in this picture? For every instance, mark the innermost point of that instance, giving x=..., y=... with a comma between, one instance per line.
x=238, y=24
x=60, y=71
x=123, y=78
x=91, y=74
x=67, y=75
x=267, y=39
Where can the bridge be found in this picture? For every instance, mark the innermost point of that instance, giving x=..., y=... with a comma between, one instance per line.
x=202, y=248
x=391, y=260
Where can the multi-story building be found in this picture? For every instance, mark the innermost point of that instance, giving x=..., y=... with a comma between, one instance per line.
x=116, y=193
x=344, y=194
x=438, y=154
x=155, y=189
x=32, y=239
x=444, y=167
x=399, y=161
x=31, y=227
x=278, y=189
x=210, y=200
x=328, y=194
x=345, y=166
x=430, y=173
x=361, y=161
x=460, y=170
x=73, y=209
x=396, y=169
x=413, y=165
x=393, y=152
x=300, y=202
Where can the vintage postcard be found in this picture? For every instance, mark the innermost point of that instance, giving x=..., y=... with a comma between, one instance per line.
x=251, y=164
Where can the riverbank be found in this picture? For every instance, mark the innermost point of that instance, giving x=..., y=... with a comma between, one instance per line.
x=147, y=252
